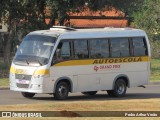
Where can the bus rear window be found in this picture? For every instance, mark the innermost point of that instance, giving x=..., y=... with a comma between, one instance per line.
x=139, y=47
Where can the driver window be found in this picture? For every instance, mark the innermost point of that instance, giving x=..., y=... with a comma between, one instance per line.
x=63, y=51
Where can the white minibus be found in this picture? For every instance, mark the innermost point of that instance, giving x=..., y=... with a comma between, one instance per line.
x=64, y=59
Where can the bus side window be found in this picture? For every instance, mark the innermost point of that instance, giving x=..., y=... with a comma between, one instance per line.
x=99, y=48
x=139, y=47
x=80, y=49
x=63, y=51
x=120, y=47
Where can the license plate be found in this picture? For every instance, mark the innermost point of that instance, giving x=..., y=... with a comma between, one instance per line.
x=22, y=81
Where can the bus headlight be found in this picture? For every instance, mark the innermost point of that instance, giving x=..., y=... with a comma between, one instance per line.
x=39, y=76
x=41, y=73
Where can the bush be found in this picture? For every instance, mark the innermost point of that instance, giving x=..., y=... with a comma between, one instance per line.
x=155, y=49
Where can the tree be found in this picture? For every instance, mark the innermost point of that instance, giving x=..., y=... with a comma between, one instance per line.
x=21, y=16
x=8, y=13
x=128, y=7
x=61, y=8
x=148, y=18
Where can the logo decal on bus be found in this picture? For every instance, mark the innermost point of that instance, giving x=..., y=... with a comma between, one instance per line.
x=96, y=68
x=106, y=67
x=117, y=60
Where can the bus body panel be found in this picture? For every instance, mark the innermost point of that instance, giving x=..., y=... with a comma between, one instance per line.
x=91, y=80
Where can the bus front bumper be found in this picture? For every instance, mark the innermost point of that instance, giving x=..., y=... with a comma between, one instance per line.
x=31, y=86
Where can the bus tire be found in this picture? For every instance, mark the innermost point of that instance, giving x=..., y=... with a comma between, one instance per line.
x=28, y=95
x=89, y=93
x=61, y=91
x=119, y=89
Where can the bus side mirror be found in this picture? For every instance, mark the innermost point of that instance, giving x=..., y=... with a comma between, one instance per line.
x=58, y=53
x=56, y=56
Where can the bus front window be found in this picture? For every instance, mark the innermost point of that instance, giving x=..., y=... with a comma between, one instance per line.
x=35, y=50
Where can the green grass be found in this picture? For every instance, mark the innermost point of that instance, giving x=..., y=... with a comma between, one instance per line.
x=4, y=82
x=155, y=70
x=155, y=73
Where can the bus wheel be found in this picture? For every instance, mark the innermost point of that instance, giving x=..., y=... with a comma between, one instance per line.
x=61, y=91
x=119, y=89
x=89, y=93
x=28, y=95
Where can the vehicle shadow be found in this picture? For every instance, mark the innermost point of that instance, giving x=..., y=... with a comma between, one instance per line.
x=101, y=97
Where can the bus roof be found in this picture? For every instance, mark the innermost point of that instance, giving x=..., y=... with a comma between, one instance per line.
x=91, y=33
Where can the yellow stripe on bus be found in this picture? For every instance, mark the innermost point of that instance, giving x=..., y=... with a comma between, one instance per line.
x=12, y=69
x=42, y=72
x=18, y=71
x=21, y=71
x=103, y=61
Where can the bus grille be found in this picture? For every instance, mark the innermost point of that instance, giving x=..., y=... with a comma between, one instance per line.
x=23, y=77
x=22, y=85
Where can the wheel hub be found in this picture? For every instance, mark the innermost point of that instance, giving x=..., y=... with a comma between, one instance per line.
x=62, y=91
x=120, y=88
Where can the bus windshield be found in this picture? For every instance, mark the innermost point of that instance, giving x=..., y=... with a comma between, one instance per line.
x=35, y=50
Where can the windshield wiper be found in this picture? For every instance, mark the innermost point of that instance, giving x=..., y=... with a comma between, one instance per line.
x=39, y=62
x=27, y=61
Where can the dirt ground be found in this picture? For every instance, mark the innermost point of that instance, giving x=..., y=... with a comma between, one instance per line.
x=68, y=109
